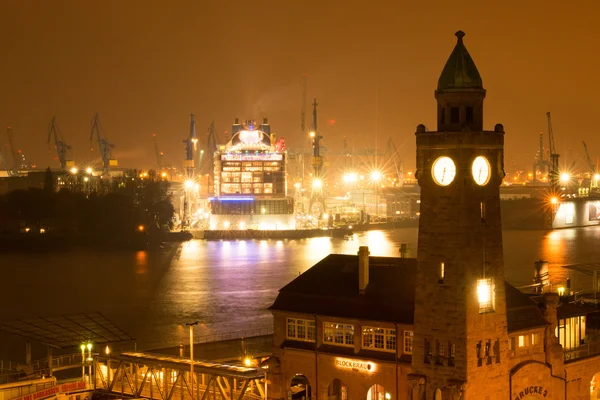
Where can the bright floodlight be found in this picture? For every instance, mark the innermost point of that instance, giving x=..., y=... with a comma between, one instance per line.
x=189, y=184
x=375, y=176
x=317, y=184
x=312, y=134
x=350, y=177
x=554, y=200
x=597, y=177
x=484, y=291
x=89, y=170
x=73, y=170
x=297, y=185
x=565, y=177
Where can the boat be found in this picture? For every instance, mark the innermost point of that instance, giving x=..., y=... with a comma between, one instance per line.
x=250, y=187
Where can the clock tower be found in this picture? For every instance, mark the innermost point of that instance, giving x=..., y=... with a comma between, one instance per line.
x=460, y=329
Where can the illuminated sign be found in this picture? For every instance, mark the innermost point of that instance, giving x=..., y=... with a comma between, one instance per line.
x=531, y=393
x=252, y=157
x=54, y=390
x=358, y=365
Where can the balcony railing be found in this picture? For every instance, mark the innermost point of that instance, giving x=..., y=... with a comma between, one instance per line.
x=586, y=350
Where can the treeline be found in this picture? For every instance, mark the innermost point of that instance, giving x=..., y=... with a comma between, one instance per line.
x=124, y=206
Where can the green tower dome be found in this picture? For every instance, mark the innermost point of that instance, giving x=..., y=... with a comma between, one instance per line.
x=460, y=71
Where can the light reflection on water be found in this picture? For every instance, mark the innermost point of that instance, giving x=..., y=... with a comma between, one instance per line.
x=230, y=284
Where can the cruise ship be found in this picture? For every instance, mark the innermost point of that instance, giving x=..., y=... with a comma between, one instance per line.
x=250, y=187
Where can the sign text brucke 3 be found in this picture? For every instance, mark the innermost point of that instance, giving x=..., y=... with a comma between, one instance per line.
x=532, y=392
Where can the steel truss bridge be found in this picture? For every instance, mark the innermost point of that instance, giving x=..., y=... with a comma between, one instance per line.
x=154, y=376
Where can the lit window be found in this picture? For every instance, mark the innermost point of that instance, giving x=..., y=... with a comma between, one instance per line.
x=408, y=342
x=442, y=272
x=301, y=329
x=379, y=338
x=485, y=295
x=340, y=334
x=534, y=339
x=521, y=341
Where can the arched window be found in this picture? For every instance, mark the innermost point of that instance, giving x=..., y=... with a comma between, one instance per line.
x=438, y=394
x=337, y=390
x=377, y=392
x=300, y=387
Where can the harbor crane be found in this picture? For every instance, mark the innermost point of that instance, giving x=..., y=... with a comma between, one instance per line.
x=541, y=163
x=13, y=151
x=206, y=154
x=191, y=147
x=159, y=154
x=588, y=159
x=303, y=109
x=594, y=176
x=59, y=144
x=553, y=170
x=316, y=194
x=9, y=170
x=103, y=145
x=392, y=156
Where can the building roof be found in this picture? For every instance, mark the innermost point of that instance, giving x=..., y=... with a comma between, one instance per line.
x=460, y=71
x=522, y=312
x=68, y=330
x=330, y=288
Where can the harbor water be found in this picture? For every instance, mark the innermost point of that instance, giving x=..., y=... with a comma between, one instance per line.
x=227, y=284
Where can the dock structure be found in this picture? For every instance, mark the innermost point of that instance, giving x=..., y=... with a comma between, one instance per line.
x=103, y=364
x=154, y=376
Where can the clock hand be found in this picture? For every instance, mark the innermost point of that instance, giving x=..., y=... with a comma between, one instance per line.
x=443, y=174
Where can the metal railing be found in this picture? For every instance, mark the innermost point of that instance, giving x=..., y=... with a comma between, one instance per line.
x=216, y=337
x=219, y=337
x=586, y=350
x=18, y=371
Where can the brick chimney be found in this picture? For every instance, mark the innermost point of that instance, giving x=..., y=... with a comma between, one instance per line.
x=363, y=268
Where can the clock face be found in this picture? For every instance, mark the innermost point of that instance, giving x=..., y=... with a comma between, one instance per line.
x=443, y=171
x=481, y=170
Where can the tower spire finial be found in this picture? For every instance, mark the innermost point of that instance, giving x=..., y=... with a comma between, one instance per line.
x=460, y=35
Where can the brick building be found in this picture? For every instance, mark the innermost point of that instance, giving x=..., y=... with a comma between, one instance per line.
x=445, y=325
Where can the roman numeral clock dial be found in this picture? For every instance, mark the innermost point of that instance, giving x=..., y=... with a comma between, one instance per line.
x=443, y=171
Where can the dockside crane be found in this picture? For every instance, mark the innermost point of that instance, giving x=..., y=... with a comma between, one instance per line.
x=159, y=154
x=191, y=147
x=594, y=176
x=103, y=145
x=588, y=159
x=392, y=156
x=316, y=194
x=60, y=145
x=540, y=164
x=13, y=151
x=9, y=170
x=553, y=170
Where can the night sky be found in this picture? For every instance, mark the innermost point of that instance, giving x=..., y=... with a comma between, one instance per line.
x=373, y=66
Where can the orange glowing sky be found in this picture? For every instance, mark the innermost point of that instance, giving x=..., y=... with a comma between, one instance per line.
x=373, y=66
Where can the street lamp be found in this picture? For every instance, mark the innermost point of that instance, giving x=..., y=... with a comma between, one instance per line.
x=82, y=347
x=191, y=325
x=89, y=347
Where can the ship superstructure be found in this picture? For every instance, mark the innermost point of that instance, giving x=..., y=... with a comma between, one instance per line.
x=250, y=188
